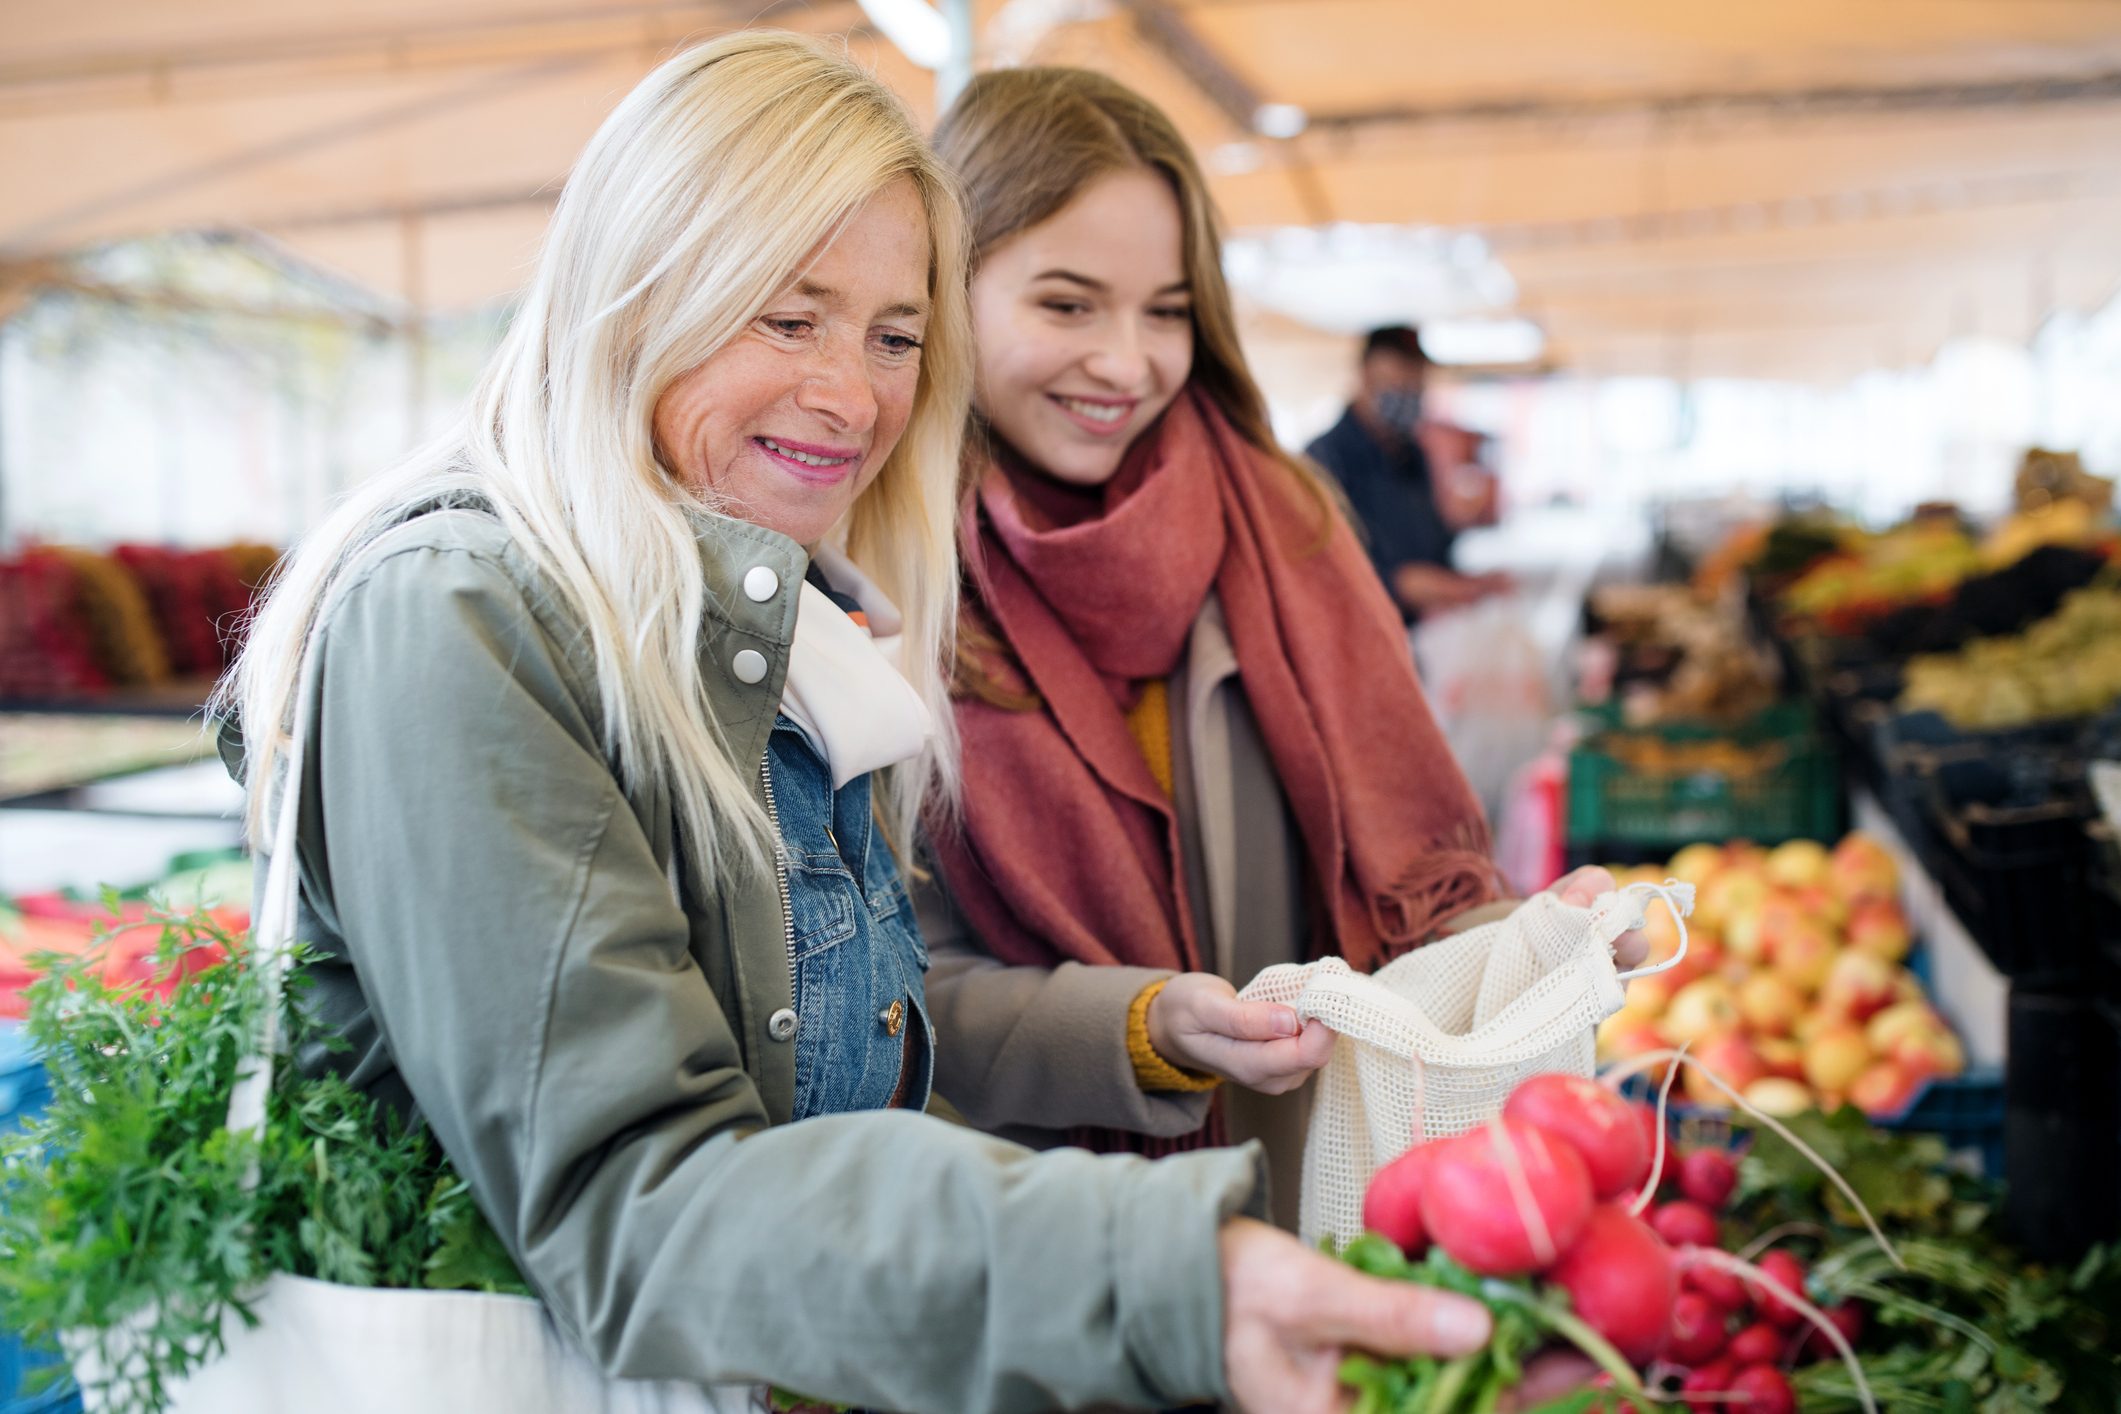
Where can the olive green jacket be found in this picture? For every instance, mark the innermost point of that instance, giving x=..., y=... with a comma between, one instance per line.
x=506, y=955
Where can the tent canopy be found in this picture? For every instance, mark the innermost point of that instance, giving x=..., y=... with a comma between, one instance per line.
x=1805, y=189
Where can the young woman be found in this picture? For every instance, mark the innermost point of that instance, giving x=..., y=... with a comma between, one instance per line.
x=585, y=826
x=1194, y=744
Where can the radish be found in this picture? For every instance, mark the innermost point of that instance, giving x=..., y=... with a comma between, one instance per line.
x=1593, y=1120
x=1697, y=1335
x=1787, y=1270
x=1718, y=1286
x=1506, y=1199
x=1708, y=1177
x=1785, y=1286
x=1767, y=1389
x=1652, y=1127
x=1758, y=1344
x=1621, y=1280
x=1685, y=1224
x=1614, y=1076
x=1847, y=1317
x=1708, y=1387
x=1391, y=1205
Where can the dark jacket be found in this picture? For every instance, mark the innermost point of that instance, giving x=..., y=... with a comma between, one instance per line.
x=1391, y=493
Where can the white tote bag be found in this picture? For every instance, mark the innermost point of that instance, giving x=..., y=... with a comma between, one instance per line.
x=321, y=1348
x=1433, y=1042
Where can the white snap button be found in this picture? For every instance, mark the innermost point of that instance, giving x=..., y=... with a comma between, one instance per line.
x=761, y=583
x=749, y=665
x=781, y=1025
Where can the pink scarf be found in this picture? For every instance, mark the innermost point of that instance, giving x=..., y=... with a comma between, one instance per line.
x=1067, y=849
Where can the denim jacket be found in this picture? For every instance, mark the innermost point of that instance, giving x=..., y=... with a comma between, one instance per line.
x=862, y=1030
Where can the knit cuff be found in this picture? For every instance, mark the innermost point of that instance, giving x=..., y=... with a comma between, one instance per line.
x=1152, y=1071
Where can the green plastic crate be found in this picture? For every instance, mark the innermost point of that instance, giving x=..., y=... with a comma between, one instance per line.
x=1614, y=802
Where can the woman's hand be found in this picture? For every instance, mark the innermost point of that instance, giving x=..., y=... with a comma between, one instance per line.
x=1580, y=887
x=1290, y=1314
x=1197, y=1023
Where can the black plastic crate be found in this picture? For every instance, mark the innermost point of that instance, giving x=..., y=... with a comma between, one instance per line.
x=2103, y=874
x=2014, y=869
x=2109, y=1013
x=2061, y=1123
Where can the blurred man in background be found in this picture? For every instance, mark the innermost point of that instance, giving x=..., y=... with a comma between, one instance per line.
x=1377, y=455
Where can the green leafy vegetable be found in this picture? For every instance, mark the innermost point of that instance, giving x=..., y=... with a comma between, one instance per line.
x=1971, y=1326
x=1526, y=1318
x=128, y=1223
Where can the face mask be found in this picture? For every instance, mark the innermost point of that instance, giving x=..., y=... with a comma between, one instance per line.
x=1401, y=407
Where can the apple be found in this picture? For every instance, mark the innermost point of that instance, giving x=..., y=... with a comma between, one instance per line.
x=1701, y=1008
x=1781, y=915
x=1624, y=1035
x=1734, y=1062
x=1744, y=854
x=1649, y=996
x=1900, y=1019
x=1930, y=1051
x=1782, y=1056
x=1778, y=1096
x=1822, y=905
x=1835, y=1056
x=1745, y=936
x=1704, y=956
x=1797, y=864
x=1805, y=955
x=1884, y=1088
x=1737, y=891
x=1876, y=925
x=1770, y=1003
x=1662, y=931
x=1859, y=985
x=1696, y=864
x=1862, y=868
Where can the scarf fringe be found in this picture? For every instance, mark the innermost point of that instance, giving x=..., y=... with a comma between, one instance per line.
x=1456, y=874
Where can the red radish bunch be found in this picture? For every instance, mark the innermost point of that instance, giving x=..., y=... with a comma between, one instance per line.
x=1551, y=1188
x=1507, y=1199
x=1531, y=1192
x=1731, y=1336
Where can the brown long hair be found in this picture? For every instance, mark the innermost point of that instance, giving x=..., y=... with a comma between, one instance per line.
x=1026, y=142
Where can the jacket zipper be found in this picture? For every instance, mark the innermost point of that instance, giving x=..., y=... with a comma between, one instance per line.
x=780, y=870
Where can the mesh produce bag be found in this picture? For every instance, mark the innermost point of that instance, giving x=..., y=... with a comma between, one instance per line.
x=1434, y=1041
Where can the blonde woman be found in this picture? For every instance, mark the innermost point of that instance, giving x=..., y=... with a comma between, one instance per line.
x=602, y=690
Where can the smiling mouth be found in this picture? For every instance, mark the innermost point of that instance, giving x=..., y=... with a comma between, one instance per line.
x=1100, y=415
x=801, y=456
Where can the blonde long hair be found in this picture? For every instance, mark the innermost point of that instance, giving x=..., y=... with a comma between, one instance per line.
x=698, y=198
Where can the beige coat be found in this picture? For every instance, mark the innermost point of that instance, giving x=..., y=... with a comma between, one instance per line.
x=1030, y=1052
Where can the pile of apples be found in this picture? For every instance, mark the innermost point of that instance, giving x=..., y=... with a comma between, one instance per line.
x=1792, y=989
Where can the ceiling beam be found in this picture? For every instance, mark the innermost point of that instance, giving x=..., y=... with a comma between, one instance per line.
x=1802, y=212
x=87, y=77
x=1828, y=100
x=1165, y=30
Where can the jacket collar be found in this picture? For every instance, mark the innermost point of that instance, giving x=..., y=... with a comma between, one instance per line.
x=732, y=554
